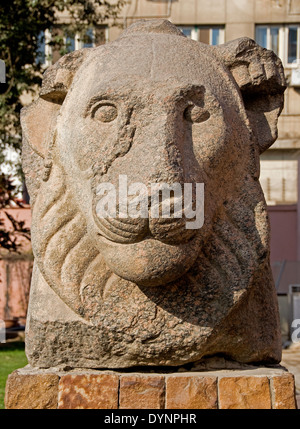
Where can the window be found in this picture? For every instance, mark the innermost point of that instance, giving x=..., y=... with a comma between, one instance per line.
x=89, y=39
x=44, y=50
x=293, y=44
x=70, y=43
x=212, y=35
x=48, y=55
x=41, y=47
x=190, y=32
x=284, y=40
x=93, y=37
x=74, y=42
x=279, y=177
x=268, y=37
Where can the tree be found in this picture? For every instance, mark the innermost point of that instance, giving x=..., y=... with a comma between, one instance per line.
x=9, y=237
x=22, y=27
x=22, y=23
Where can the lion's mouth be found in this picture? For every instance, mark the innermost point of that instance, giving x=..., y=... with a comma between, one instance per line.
x=129, y=230
x=148, y=252
x=149, y=262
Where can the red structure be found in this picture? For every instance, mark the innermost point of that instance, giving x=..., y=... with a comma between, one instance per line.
x=15, y=272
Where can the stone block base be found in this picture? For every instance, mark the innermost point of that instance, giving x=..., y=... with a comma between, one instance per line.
x=255, y=388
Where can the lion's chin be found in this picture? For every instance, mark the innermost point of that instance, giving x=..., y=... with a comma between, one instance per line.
x=149, y=262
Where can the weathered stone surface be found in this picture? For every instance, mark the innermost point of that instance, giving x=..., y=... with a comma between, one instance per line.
x=95, y=389
x=155, y=107
x=31, y=391
x=283, y=392
x=244, y=393
x=191, y=392
x=142, y=391
x=88, y=391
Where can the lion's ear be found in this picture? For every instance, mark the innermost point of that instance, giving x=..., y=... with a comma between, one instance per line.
x=39, y=119
x=260, y=76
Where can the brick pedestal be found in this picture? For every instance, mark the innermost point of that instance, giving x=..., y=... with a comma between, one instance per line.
x=255, y=388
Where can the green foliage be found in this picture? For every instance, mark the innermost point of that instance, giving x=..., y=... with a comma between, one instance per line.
x=21, y=24
x=22, y=27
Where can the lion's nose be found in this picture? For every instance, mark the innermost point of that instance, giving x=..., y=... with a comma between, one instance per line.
x=160, y=141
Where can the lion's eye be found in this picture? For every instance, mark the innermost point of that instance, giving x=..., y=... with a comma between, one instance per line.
x=105, y=113
x=196, y=114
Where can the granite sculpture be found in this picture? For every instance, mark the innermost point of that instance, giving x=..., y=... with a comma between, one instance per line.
x=153, y=107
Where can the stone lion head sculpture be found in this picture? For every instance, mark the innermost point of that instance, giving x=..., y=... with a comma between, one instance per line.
x=153, y=106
